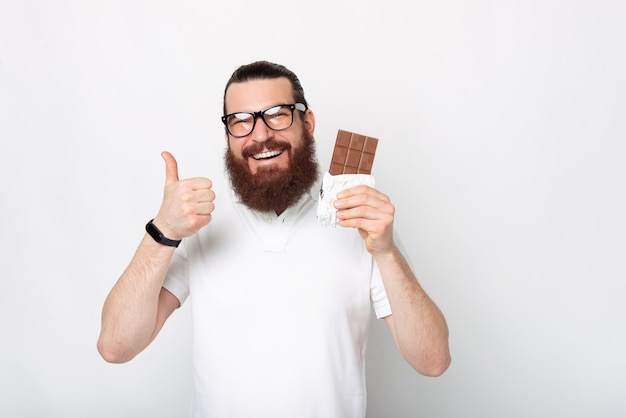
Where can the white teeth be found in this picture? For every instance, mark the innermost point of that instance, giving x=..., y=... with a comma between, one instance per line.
x=267, y=154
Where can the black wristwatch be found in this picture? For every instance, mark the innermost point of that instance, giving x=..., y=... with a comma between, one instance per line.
x=158, y=235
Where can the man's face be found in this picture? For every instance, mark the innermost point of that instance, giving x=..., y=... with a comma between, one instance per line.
x=264, y=148
x=270, y=170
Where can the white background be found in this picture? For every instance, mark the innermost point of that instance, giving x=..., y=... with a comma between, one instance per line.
x=502, y=128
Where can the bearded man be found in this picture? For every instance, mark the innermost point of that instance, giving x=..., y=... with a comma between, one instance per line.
x=280, y=304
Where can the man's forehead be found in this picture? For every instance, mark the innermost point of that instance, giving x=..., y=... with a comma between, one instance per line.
x=254, y=95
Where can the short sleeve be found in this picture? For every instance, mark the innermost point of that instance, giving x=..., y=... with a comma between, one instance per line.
x=378, y=295
x=377, y=290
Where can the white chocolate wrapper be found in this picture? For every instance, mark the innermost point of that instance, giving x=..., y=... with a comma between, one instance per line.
x=331, y=185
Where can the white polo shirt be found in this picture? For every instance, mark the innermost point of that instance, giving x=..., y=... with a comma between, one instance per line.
x=280, y=308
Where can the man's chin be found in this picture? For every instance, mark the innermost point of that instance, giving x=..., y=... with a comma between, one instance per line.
x=268, y=170
x=269, y=179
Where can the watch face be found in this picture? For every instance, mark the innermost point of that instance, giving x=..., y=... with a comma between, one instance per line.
x=154, y=231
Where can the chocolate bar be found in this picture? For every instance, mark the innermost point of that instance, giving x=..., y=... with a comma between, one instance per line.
x=353, y=154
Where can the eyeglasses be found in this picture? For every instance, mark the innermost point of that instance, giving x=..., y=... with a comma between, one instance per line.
x=277, y=118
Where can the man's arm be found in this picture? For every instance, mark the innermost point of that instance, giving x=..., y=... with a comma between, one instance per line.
x=138, y=305
x=417, y=325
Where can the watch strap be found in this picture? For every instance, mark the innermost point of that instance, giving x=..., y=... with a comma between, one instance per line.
x=158, y=236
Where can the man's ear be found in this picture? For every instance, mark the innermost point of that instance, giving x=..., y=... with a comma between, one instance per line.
x=309, y=121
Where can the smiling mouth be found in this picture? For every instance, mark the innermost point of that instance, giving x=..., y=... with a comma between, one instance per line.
x=267, y=154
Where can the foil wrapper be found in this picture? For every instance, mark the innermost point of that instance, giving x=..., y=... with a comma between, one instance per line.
x=331, y=185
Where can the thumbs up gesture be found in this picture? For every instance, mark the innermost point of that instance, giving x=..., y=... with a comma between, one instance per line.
x=187, y=204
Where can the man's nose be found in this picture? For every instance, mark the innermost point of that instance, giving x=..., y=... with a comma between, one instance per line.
x=261, y=132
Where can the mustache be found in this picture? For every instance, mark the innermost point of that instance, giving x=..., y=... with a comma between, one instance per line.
x=269, y=145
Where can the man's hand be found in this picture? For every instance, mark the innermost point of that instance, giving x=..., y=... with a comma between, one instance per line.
x=187, y=204
x=370, y=211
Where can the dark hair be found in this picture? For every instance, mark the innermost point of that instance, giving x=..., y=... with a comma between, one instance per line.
x=262, y=70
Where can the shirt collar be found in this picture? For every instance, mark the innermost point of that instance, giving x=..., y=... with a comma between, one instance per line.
x=290, y=213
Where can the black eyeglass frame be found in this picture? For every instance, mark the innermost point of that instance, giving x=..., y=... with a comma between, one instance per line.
x=260, y=114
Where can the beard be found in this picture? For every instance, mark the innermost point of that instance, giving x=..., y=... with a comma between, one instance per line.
x=271, y=188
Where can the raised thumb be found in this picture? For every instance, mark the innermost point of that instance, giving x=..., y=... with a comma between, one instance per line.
x=171, y=168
